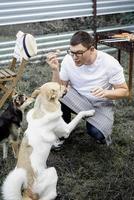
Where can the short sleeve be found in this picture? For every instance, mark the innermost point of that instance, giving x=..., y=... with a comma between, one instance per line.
x=116, y=74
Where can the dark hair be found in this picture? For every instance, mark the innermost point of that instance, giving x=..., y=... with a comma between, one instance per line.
x=82, y=37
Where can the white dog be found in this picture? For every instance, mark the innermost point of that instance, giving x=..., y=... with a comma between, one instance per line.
x=45, y=126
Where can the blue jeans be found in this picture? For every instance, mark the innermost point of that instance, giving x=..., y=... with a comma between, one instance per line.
x=91, y=130
x=95, y=133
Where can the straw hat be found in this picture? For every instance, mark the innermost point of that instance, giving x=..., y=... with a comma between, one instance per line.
x=25, y=47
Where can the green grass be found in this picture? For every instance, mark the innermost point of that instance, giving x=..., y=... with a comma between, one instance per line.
x=86, y=170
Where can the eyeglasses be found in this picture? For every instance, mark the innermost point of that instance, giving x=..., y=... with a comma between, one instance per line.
x=77, y=53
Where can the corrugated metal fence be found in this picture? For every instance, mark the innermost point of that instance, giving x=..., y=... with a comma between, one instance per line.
x=22, y=11
x=107, y=7
x=26, y=11
x=50, y=42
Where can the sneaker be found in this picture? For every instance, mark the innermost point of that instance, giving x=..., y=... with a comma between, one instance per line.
x=101, y=141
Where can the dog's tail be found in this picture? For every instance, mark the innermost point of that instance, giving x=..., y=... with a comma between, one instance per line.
x=13, y=184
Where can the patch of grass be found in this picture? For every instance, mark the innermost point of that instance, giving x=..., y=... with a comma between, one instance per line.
x=86, y=170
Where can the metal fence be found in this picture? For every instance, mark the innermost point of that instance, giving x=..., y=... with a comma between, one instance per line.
x=52, y=42
x=27, y=11
x=107, y=7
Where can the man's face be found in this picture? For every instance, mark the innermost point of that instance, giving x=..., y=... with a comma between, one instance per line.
x=80, y=54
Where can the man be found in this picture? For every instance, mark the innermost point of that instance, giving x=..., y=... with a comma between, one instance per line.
x=95, y=79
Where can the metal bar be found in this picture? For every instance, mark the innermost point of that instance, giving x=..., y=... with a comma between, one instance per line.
x=95, y=21
x=130, y=72
x=119, y=55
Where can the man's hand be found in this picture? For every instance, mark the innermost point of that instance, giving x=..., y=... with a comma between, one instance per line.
x=52, y=61
x=118, y=92
x=98, y=92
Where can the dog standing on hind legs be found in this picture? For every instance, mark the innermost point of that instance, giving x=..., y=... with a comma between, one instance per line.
x=32, y=178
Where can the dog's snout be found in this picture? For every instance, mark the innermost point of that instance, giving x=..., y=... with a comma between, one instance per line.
x=19, y=99
x=63, y=90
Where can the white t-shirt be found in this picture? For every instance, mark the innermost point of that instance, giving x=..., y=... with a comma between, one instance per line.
x=104, y=72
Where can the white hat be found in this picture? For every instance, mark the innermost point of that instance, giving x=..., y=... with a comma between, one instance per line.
x=25, y=47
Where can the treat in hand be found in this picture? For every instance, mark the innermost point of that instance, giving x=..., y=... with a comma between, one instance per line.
x=52, y=60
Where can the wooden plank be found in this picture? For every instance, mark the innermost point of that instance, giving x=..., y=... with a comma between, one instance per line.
x=10, y=72
x=4, y=73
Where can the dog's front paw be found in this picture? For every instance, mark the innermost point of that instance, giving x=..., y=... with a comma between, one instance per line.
x=88, y=113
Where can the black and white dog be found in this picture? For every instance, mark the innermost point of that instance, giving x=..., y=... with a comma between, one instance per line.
x=10, y=122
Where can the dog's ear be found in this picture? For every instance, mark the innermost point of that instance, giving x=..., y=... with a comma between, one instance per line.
x=35, y=93
x=52, y=94
x=14, y=94
x=37, y=107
